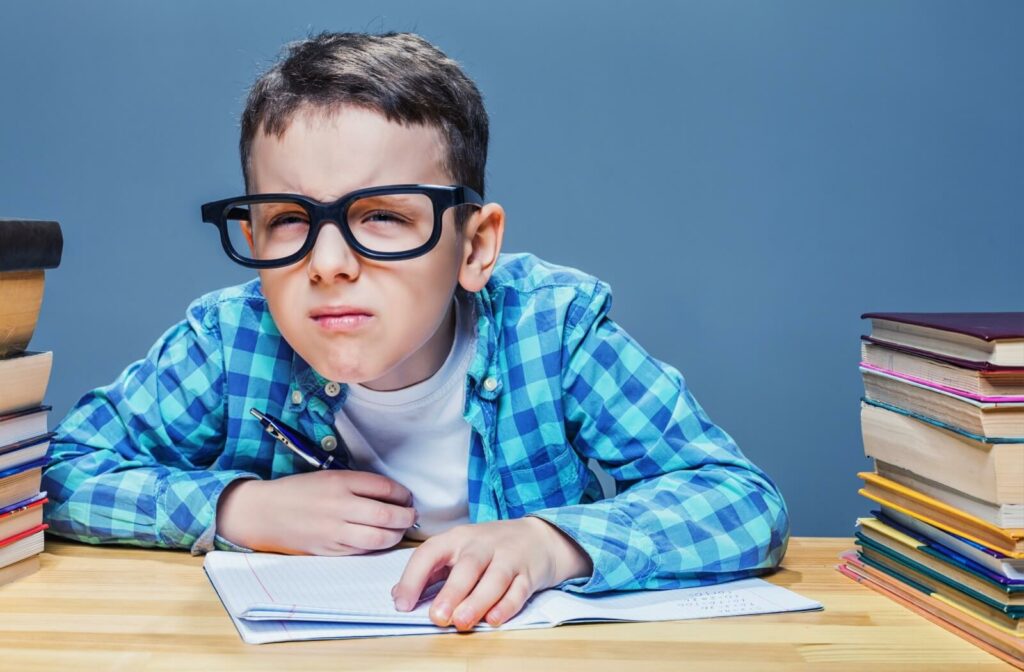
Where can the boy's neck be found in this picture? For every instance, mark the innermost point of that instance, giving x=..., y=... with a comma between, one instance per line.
x=423, y=363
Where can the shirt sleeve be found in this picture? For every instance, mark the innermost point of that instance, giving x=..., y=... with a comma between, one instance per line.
x=129, y=463
x=690, y=509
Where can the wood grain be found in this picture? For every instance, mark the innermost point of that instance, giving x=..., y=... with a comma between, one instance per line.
x=93, y=607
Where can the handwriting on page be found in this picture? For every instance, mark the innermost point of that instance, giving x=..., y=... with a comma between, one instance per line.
x=718, y=603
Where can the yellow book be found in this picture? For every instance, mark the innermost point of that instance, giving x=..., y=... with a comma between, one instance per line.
x=1007, y=540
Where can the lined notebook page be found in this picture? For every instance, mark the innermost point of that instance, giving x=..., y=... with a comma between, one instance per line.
x=267, y=595
x=267, y=585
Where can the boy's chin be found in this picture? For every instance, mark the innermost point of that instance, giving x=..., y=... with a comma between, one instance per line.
x=345, y=370
x=349, y=375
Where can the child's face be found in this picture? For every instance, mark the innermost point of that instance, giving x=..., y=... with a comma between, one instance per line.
x=385, y=324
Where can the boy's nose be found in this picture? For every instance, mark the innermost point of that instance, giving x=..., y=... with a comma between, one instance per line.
x=331, y=256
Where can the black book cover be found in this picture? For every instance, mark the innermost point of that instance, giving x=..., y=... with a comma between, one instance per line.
x=29, y=244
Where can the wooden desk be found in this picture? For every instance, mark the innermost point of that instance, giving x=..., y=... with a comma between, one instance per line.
x=92, y=608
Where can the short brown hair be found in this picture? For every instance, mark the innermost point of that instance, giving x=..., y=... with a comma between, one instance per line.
x=400, y=75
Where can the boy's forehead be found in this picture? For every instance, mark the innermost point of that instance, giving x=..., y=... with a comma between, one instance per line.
x=325, y=153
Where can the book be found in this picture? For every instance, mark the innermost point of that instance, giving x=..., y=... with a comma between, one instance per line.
x=21, y=516
x=913, y=574
x=888, y=493
x=21, y=297
x=23, y=452
x=21, y=546
x=27, y=248
x=975, y=465
x=983, y=339
x=1000, y=515
x=910, y=577
x=20, y=425
x=1009, y=628
x=1003, y=419
x=992, y=560
x=23, y=380
x=21, y=482
x=876, y=534
x=908, y=535
x=1002, y=384
x=977, y=630
x=29, y=244
x=281, y=598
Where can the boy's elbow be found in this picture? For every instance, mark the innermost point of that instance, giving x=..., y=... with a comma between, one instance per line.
x=772, y=535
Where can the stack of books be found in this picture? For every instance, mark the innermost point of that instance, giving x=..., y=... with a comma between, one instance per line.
x=27, y=248
x=943, y=419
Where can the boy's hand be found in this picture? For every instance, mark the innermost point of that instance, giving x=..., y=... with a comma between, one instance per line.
x=330, y=512
x=491, y=568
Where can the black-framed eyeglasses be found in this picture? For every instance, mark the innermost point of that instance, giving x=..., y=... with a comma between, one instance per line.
x=388, y=223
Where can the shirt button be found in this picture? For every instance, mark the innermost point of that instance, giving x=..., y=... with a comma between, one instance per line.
x=332, y=389
x=329, y=443
x=296, y=397
x=490, y=383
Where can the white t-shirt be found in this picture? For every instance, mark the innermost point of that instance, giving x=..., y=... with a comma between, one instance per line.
x=417, y=435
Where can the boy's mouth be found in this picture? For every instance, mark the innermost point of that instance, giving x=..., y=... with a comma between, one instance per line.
x=340, y=318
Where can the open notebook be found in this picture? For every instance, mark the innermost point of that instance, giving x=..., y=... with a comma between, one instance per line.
x=276, y=598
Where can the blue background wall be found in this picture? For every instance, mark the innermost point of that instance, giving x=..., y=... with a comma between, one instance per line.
x=749, y=177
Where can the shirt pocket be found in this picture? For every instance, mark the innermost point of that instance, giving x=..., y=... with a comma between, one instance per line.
x=551, y=476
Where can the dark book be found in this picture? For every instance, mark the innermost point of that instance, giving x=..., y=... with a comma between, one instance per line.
x=980, y=341
x=29, y=244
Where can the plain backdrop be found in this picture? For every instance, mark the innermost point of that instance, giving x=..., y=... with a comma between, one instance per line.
x=750, y=177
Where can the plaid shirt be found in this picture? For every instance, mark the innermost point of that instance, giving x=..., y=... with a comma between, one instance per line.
x=553, y=382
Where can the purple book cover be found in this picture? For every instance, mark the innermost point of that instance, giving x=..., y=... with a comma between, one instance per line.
x=985, y=326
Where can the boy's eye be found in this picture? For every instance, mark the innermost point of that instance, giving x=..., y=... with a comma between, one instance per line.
x=384, y=217
x=290, y=219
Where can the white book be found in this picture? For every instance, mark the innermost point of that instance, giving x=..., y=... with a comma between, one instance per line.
x=23, y=453
x=25, y=377
x=276, y=598
x=21, y=549
x=24, y=424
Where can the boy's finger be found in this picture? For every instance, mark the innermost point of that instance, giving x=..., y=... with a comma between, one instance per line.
x=378, y=487
x=511, y=603
x=376, y=513
x=462, y=579
x=368, y=538
x=491, y=588
x=424, y=563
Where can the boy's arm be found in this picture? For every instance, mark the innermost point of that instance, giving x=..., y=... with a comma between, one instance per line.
x=128, y=462
x=691, y=508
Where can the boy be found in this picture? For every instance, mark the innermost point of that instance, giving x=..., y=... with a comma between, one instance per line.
x=465, y=391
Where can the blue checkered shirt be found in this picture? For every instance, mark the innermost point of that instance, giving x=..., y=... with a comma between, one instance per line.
x=554, y=382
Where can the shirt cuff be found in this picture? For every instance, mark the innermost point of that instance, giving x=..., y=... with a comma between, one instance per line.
x=222, y=544
x=621, y=555
x=209, y=540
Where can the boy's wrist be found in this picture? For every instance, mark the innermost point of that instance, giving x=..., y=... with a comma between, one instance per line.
x=235, y=509
x=569, y=560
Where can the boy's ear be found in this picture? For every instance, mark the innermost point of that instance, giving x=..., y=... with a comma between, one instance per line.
x=481, y=244
x=247, y=232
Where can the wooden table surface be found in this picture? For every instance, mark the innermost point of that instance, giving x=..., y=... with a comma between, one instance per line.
x=94, y=607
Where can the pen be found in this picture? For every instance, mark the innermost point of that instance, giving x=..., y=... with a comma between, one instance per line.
x=294, y=441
